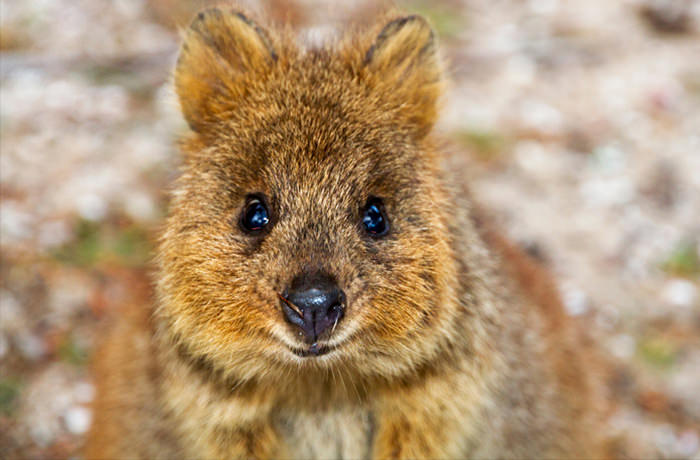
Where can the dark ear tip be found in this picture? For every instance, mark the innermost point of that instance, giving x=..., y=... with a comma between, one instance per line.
x=216, y=12
x=213, y=11
x=394, y=26
x=198, y=25
x=398, y=23
x=411, y=18
x=260, y=31
x=203, y=15
x=243, y=17
x=424, y=23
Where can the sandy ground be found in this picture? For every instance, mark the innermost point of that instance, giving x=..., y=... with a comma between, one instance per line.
x=580, y=119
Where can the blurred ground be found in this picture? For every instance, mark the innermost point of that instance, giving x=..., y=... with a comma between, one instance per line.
x=581, y=121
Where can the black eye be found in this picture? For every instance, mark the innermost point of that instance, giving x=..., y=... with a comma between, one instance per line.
x=374, y=218
x=255, y=215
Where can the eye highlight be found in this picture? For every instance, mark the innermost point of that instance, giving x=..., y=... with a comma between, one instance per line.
x=374, y=219
x=255, y=216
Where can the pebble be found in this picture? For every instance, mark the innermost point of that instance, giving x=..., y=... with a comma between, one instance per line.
x=30, y=346
x=77, y=419
x=664, y=437
x=140, y=206
x=622, y=346
x=575, y=300
x=520, y=70
x=91, y=207
x=54, y=233
x=609, y=159
x=688, y=443
x=607, y=191
x=680, y=293
x=15, y=223
x=541, y=117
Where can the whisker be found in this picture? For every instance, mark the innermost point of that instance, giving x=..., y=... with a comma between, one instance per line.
x=290, y=304
x=334, y=325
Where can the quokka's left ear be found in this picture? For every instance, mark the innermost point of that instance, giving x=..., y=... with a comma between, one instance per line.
x=223, y=54
x=404, y=61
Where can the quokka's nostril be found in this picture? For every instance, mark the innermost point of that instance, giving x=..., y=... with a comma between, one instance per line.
x=314, y=304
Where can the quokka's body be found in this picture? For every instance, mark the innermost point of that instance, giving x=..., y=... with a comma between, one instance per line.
x=326, y=287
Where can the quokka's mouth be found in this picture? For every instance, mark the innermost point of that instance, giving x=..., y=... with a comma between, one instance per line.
x=313, y=350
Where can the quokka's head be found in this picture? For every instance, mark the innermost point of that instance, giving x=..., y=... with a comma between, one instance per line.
x=309, y=227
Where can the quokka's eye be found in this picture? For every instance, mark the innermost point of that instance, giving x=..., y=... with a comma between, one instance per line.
x=374, y=218
x=255, y=215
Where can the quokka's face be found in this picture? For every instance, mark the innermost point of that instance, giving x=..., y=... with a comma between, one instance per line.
x=309, y=228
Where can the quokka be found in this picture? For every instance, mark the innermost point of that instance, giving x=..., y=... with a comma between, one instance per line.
x=326, y=287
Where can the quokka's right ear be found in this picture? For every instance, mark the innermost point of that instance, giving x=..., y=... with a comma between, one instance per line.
x=403, y=62
x=222, y=54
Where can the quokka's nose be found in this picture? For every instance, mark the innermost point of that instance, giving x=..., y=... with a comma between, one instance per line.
x=314, y=304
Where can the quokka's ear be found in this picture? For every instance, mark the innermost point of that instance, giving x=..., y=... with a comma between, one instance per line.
x=404, y=61
x=222, y=53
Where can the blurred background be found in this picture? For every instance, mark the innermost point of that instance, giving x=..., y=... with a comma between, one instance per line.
x=580, y=119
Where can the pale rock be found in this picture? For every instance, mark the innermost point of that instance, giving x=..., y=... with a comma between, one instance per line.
x=680, y=293
x=77, y=419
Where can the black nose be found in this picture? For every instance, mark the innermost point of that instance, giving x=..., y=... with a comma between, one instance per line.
x=314, y=303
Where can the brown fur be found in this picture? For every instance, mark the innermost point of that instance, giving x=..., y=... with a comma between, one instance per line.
x=453, y=343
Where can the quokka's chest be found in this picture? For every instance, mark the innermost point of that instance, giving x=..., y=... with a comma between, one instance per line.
x=335, y=433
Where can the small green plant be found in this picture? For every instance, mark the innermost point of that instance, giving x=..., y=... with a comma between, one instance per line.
x=71, y=352
x=131, y=246
x=657, y=352
x=486, y=144
x=683, y=260
x=85, y=248
x=126, y=245
x=9, y=391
